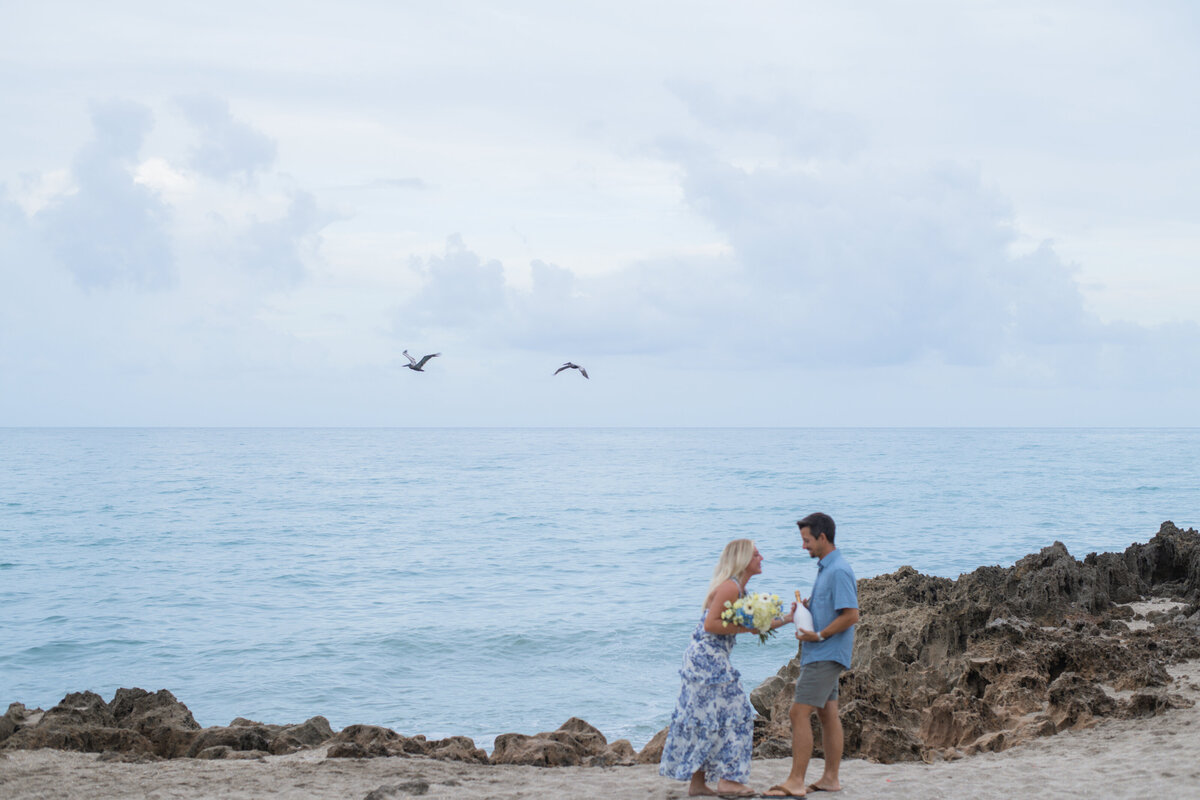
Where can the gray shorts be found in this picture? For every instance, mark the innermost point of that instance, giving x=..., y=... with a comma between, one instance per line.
x=817, y=683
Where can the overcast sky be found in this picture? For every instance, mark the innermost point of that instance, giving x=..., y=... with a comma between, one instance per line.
x=732, y=213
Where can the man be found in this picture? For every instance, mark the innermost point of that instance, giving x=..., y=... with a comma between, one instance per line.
x=825, y=655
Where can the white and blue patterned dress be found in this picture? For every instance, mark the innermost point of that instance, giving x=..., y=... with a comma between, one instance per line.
x=712, y=727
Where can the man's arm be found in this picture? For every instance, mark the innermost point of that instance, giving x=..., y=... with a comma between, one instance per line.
x=845, y=618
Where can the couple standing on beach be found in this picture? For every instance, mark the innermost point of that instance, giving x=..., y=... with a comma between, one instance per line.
x=711, y=733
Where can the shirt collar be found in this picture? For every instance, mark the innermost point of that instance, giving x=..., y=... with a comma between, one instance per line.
x=829, y=558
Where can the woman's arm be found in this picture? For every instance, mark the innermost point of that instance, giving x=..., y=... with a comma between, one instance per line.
x=727, y=592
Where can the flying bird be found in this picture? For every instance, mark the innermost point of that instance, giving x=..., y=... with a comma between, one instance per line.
x=419, y=366
x=569, y=365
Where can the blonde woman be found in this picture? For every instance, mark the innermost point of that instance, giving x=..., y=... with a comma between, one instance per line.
x=711, y=733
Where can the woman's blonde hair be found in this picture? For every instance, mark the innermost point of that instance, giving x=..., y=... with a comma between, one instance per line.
x=734, y=559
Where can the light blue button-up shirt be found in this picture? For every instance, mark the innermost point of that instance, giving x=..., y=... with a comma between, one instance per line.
x=833, y=590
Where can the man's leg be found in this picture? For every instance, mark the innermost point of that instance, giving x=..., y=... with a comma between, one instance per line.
x=802, y=744
x=832, y=740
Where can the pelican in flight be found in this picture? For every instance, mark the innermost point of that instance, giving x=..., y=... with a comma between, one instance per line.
x=569, y=365
x=419, y=366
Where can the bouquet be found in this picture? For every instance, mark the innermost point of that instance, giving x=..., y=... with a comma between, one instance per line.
x=756, y=610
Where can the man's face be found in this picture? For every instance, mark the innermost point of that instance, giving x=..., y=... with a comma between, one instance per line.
x=813, y=545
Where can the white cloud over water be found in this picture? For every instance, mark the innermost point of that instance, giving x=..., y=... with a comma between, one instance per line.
x=110, y=229
x=977, y=226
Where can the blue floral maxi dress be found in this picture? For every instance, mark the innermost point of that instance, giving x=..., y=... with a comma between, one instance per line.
x=712, y=727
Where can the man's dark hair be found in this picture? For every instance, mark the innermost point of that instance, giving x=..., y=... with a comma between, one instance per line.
x=820, y=524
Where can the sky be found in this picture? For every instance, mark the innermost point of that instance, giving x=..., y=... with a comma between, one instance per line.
x=732, y=214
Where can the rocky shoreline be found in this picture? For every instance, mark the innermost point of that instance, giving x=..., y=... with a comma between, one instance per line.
x=942, y=668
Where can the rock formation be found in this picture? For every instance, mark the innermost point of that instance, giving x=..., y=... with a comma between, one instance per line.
x=942, y=668
x=575, y=743
x=946, y=668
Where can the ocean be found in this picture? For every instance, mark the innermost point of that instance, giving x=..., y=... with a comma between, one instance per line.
x=484, y=581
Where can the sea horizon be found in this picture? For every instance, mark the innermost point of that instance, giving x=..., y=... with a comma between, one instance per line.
x=419, y=577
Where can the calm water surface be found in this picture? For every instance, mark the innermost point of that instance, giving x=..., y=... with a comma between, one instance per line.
x=467, y=581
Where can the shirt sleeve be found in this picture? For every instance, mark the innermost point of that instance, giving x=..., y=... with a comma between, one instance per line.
x=845, y=590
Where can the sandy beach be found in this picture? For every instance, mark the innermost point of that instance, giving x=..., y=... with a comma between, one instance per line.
x=1153, y=757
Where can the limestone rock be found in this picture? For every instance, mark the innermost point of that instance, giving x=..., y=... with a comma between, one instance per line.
x=81, y=721
x=16, y=717
x=652, y=752
x=619, y=753
x=367, y=741
x=537, y=751
x=1149, y=704
x=457, y=748
x=943, y=668
x=574, y=743
x=158, y=716
x=286, y=739
x=235, y=738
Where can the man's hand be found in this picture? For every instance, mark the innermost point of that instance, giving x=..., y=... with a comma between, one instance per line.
x=807, y=636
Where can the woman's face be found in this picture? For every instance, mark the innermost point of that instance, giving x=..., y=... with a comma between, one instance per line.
x=755, y=564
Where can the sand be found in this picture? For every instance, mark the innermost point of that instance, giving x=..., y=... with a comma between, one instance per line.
x=1157, y=758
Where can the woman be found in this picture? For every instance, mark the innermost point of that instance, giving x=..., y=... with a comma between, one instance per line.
x=711, y=731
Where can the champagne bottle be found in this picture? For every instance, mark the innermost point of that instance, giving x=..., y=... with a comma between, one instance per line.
x=803, y=619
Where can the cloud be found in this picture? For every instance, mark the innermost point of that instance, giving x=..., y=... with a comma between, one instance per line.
x=801, y=128
x=111, y=230
x=280, y=249
x=460, y=291
x=393, y=183
x=833, y=262
x=649, y=308
x=228, y=148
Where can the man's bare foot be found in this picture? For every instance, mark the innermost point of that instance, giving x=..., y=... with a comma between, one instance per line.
x=783, y=790
x=734, y=789
x=828, y=787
